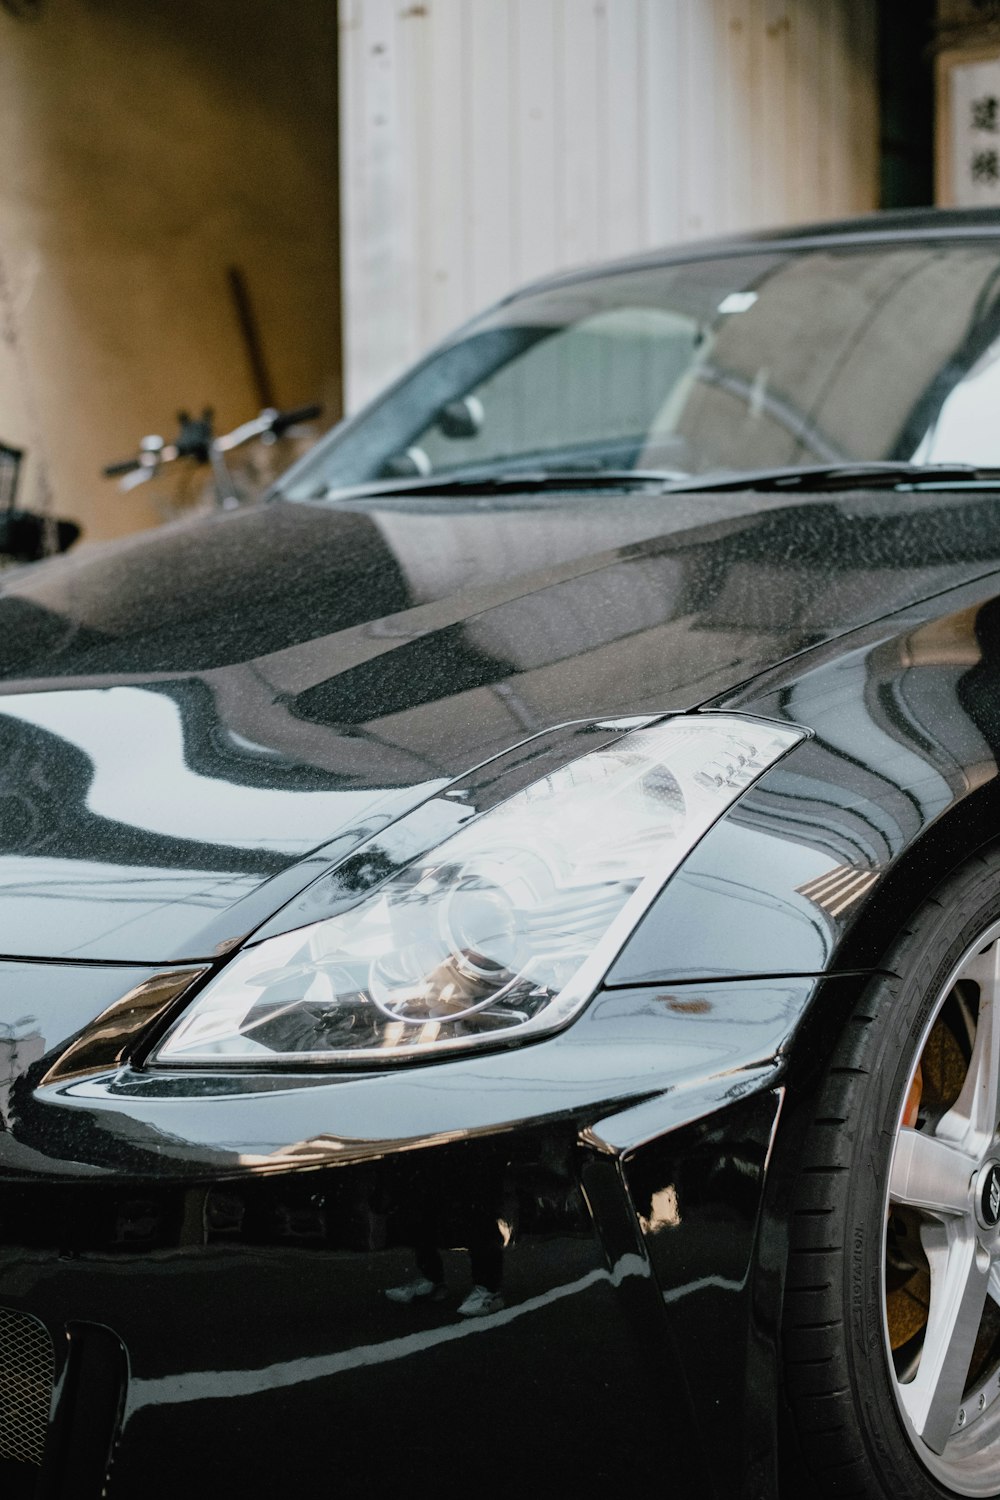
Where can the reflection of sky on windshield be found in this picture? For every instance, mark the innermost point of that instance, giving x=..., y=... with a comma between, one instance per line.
x=134, y=739
x=968, y=428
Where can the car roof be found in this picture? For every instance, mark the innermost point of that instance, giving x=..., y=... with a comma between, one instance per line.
x=876, y=228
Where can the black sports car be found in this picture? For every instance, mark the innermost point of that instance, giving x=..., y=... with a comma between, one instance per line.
x=501, y=942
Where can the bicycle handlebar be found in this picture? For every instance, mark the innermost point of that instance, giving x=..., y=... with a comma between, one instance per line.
x=282, y=420
x=196, y=439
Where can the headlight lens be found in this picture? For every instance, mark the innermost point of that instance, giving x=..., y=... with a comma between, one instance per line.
x=503, y=931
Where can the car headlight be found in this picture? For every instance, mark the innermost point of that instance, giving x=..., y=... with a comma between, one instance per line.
x=500, y=933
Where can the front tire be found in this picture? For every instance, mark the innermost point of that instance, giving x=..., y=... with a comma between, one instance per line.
x=892, y=1304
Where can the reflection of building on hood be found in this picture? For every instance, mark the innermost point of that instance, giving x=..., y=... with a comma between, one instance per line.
x=196, y=595
x=21, y=1044
x=977, y=688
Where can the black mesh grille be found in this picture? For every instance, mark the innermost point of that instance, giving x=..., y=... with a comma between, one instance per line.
x=26, y=1375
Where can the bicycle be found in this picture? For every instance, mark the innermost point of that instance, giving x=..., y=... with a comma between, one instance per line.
x=196, y=441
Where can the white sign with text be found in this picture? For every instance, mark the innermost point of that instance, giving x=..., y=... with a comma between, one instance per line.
x=974, y=98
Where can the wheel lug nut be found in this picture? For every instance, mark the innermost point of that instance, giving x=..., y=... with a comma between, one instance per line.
x=961, y=1417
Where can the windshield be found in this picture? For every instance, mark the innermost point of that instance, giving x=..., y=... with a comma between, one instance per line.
x=743, y=362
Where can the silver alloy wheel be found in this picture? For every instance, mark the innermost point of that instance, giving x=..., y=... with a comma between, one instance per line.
x=947, y=1176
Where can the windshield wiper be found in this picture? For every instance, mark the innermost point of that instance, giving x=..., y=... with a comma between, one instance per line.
x=814, y=479
x=511, y=482
x=824, y=477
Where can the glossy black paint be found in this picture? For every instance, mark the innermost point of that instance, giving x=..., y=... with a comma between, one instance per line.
x=623, y=1161
x=195, y=729
x=897, y=785
x=626, y=1155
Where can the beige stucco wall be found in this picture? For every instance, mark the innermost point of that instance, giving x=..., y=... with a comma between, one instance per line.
x=143, y=149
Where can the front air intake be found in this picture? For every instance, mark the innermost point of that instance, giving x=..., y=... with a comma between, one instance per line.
x=27, y=1370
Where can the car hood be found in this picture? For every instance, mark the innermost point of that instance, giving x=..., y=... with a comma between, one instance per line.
x=195, y=723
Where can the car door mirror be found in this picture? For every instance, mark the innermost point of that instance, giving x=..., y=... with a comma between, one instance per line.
x=462, y=418
x=413, y=463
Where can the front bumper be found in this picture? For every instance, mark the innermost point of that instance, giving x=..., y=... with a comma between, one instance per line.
x=210, y=1259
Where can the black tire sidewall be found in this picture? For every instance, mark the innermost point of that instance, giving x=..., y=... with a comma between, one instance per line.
x=869, y=1074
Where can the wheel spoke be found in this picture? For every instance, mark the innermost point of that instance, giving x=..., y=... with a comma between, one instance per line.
x=959, y=1281
x=972, y=1119
x=993, y=1286
x=930, y=1174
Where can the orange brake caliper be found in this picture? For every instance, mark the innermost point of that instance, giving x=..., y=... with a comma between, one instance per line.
x=906, y=1308
x=913, y=1098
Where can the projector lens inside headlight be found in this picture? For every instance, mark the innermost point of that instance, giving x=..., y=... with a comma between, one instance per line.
x=500, y=933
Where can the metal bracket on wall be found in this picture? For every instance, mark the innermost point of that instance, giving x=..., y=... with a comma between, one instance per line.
x=10, y=468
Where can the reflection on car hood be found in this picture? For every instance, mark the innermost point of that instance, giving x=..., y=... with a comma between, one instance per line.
x=193, y=723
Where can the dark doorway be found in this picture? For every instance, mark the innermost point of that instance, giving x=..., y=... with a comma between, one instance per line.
x=906, y=93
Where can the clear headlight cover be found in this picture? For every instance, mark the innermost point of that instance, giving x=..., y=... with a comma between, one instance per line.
x=500, y=933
